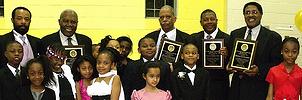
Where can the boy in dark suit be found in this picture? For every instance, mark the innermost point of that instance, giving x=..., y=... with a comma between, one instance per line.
x=190, y=81
x=133, y=72
x=10, y=73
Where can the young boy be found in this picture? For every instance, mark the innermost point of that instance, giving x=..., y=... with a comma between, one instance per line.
x=10, y=73
x=190, y=81
x=133, y=72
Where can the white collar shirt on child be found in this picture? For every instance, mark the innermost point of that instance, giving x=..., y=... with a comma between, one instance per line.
x=191, y=74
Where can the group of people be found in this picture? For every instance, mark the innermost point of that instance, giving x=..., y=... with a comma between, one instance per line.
x=35, y=69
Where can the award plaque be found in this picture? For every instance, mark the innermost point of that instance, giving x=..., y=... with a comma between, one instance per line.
x=72, y=52
x=169, y=50
x=212, y=59
x=243, y=54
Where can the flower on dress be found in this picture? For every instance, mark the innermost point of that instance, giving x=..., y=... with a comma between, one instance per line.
x=181, y=75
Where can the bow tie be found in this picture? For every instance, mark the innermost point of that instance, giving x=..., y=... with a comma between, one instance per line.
x=188, y=71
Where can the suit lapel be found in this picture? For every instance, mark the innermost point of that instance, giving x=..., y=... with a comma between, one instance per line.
x=219, y=35
x=58, y=38
x=261, y=39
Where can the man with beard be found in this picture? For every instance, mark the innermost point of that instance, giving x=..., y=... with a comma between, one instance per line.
x=21, y=18
x=167, y=20
x=219, y=81
x=250, y=84
x=67, y=35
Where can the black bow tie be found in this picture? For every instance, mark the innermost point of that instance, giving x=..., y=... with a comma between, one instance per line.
x=188, y=71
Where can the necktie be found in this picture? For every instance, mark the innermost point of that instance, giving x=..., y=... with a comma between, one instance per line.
x=209, y=36
x=249, y=35
x=164, y=36
x=69, y=41
x=27, y=52
x=17, y=75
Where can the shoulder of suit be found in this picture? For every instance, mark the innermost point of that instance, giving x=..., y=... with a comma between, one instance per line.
x=50, y=35
x=271, y=32
x=82, y=36
x=179, y=31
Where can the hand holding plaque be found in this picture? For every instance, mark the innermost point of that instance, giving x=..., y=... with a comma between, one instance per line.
x=169, y=50
x=243, y=54
x=72, y=52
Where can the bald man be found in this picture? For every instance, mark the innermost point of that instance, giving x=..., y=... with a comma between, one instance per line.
x=168, y=30
x=67, y=35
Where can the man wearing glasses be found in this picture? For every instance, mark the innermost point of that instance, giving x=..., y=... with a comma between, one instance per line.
x=250, y=84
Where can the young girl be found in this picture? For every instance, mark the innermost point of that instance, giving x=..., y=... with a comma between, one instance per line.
x=107, y=86
x=285, y=79
x=151, y=73
x=83, y=71
x=64, y=85
x=35, y=78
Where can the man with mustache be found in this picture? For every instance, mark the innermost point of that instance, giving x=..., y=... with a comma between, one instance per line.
x=219, y=81
x=67, y=35
x=21, y=18
x=168, y=30
x=251, y=84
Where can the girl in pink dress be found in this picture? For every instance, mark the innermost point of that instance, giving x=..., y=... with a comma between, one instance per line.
x=151, y=74
x=285, y=79
x=83, y=70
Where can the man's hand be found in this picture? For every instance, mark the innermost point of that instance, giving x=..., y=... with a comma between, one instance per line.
x=252, y=72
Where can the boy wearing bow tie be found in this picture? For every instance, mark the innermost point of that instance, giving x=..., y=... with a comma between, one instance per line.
x=190, y=81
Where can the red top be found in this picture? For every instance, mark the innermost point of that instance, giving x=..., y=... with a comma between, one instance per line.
x=285, y=85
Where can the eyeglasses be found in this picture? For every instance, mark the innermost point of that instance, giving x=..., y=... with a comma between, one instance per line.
x=251, y=12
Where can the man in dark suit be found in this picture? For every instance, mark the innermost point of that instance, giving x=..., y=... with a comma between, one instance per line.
x=133, y=73
x=10, y=72
x=218, y=77
x=251, y=84
x=167, y=20
x=21, y=18
x=67, y=35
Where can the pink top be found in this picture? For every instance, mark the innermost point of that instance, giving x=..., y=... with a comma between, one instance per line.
x=144, y=95
x=285, y=85
x=83, y=90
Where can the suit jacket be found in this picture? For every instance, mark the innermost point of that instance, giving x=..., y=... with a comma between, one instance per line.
x=218, y=77
x=55, y=38
x=180, y=36
x=135, y=81
x=35, y=44
x=182, y=88
x=9, y=85
x=25, y=94
x=267, y=55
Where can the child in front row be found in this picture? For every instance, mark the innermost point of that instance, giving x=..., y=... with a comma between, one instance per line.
x=107, y=86
x=151, y=74
x=36, y=76
x=83, y=71
x=285, y=79
x=189, y=80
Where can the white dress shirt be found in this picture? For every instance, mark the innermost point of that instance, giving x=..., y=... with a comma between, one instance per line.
x=212, y=34
x=13, y=69
x=255, y=32
x=64, y=39
x=191, y=74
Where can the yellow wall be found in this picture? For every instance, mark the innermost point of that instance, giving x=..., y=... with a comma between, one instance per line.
x=98, y=18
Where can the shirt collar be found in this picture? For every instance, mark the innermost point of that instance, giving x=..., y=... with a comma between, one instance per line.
x=295, y=68
x=145, y=60
x=170, y=35
x=18, y=35
x=212, y=34
x=13, y=69
x=189, y=68
x=255, y=32
x=64, y=38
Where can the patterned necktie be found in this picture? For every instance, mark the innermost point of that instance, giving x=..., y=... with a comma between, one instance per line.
x=249, y=35
x=69, y=41
x=17, y=75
